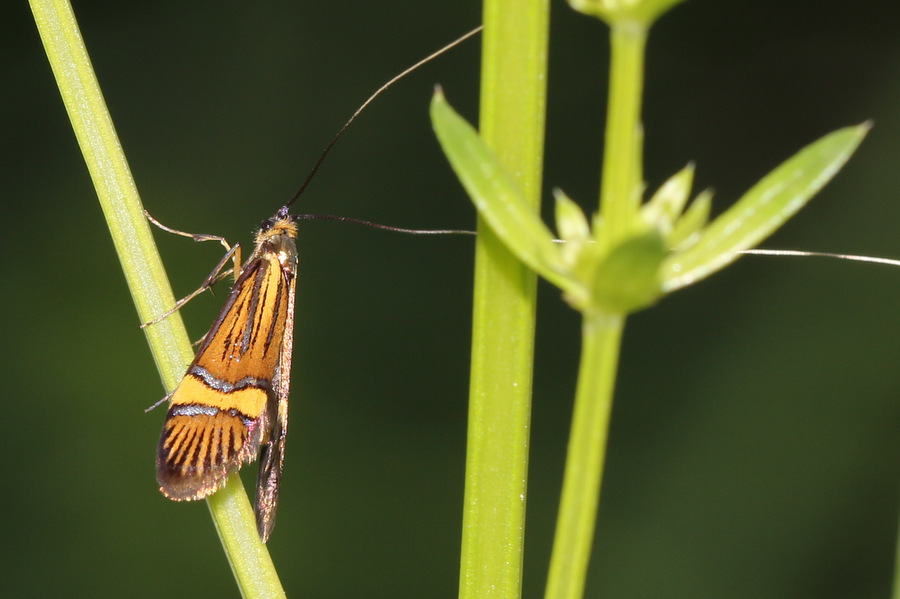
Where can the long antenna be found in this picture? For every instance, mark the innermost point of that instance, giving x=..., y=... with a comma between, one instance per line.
x=377, y=93
x=367, y=223
x=803, y=253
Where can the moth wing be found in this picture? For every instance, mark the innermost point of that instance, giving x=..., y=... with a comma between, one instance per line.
x=212, y=427
x=197, y=451
x=272, y=455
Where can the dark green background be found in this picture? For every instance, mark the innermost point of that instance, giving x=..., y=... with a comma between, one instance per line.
x=754, y=445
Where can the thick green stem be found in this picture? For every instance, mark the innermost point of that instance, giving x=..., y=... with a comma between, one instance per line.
x=601, y=336
x=896, y=591
x=512, y=124
x=142, y=266
x=621, y=178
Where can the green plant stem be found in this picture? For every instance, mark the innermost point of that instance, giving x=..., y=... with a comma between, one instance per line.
x=621, y=178
x=601, y=337
x=601, y=333
x=247, y=555
x=142, y=265
x=513, y=98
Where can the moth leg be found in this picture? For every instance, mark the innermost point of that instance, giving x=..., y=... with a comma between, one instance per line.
x=233, y=253
x=205, y=237
x=199, y=341
x=160, y=402
x=195, y=236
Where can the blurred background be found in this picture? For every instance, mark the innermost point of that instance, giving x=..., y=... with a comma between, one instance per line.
x=754, y=447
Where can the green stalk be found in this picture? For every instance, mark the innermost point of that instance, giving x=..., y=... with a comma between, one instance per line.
x=513, y=99
x=601, y=335
x=620, y=185
x=143, y=268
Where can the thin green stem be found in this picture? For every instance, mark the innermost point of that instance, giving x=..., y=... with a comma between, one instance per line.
x=513, y=99
x=142, y=265
x=621, y=178
x=601, y=335
x=248, y=556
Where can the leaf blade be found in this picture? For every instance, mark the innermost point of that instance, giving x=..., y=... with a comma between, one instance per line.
x=764, y=208
x=497, y=197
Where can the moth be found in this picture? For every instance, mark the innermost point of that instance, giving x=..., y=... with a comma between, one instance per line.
x=232, y=403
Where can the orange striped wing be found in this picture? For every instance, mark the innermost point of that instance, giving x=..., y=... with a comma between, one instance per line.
x=228, y=401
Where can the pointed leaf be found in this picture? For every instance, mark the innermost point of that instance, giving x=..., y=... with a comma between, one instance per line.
x=687, y=229
x=764, y=208
x=571, y=222
x=666, y=205
x=497, y=197
x=578, y=246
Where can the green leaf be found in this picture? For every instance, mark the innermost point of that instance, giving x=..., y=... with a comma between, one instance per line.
x=628, y=279
x=663, y=209
x=764, y=208
x=498, y=198
x=570, y=219
x=579, y=247
x=612, y=11
x=687, y=230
